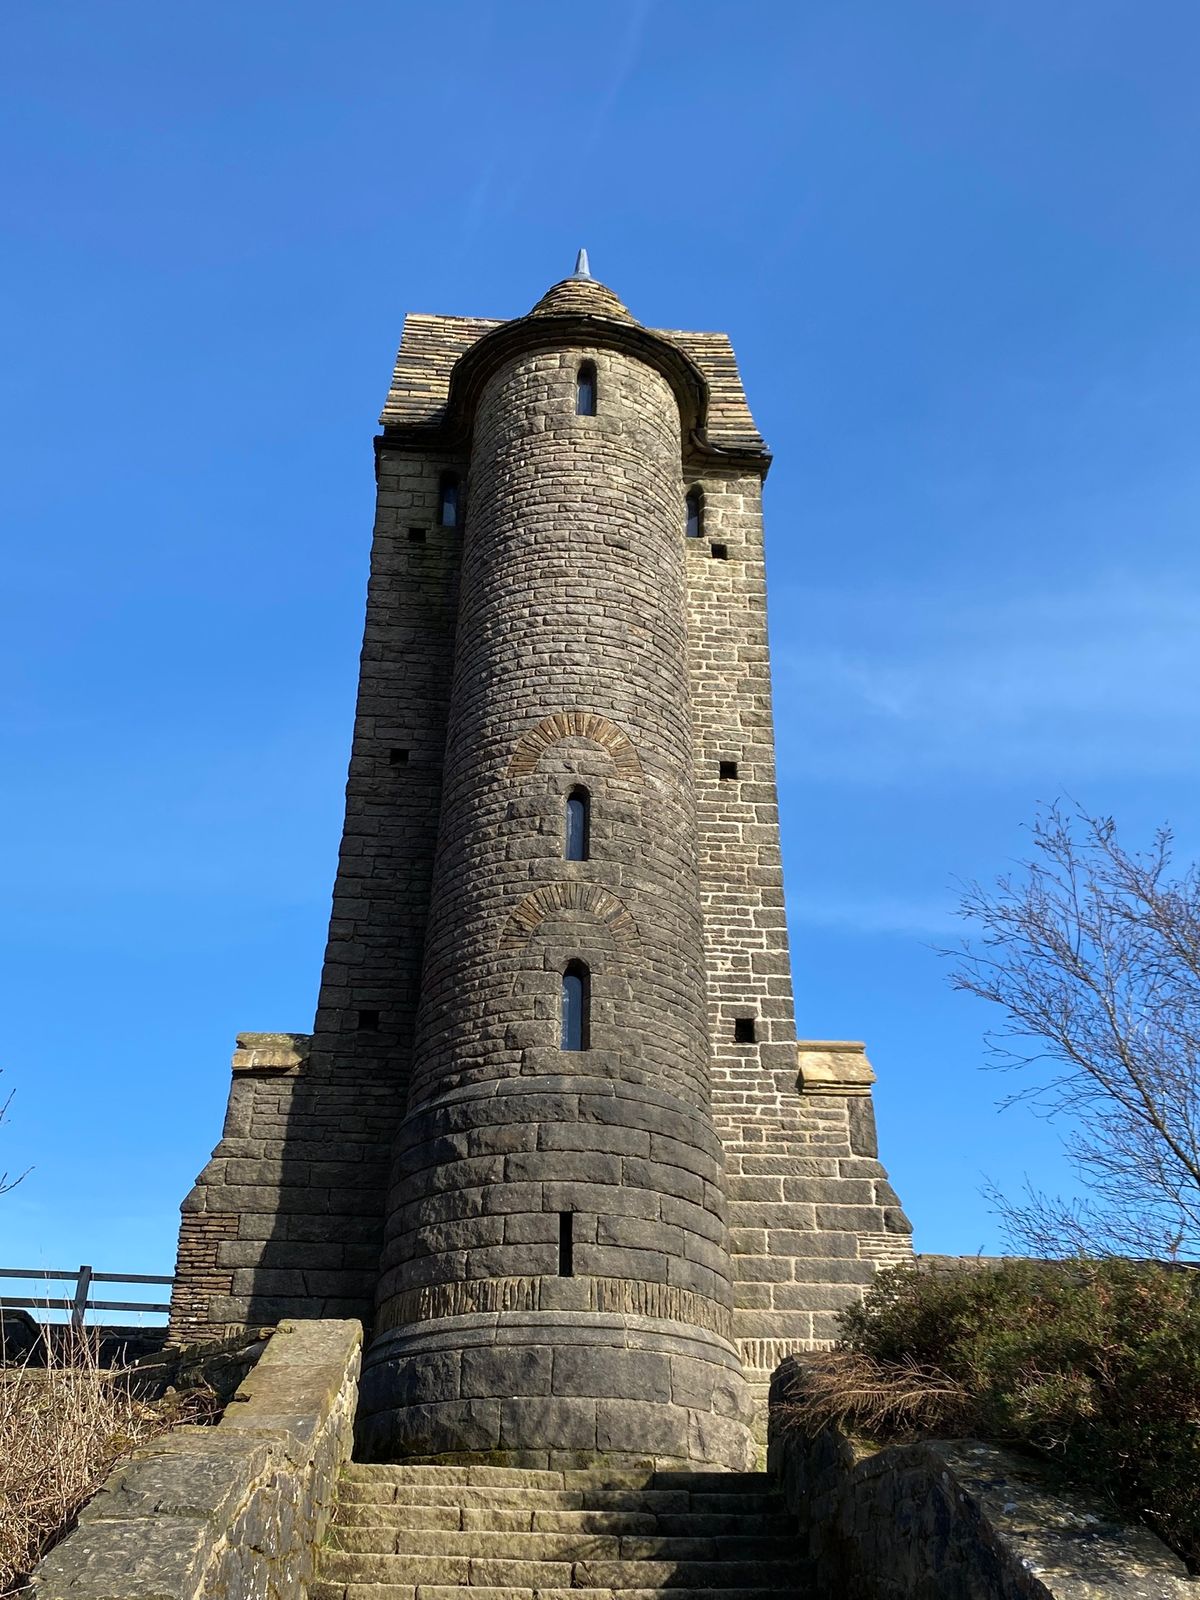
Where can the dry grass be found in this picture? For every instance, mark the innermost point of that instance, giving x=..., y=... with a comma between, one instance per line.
x=882, y=1399
x=62, y=1429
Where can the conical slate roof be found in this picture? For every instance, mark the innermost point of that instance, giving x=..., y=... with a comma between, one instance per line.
x=582, y=297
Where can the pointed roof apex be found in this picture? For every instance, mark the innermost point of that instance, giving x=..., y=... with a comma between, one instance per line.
x=582, y=270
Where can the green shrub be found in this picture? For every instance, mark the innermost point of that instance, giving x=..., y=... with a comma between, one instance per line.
x=1095, y=1364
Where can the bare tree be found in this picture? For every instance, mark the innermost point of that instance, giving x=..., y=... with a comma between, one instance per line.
x=1094, y=955
x=7, y=1183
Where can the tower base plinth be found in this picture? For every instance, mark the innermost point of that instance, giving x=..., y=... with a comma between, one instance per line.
x=552, y=1389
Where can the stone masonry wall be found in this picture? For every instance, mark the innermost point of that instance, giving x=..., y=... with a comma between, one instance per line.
x=287, y=1217
x=231, y=1512
x=811, y=1212
x=940, y=1519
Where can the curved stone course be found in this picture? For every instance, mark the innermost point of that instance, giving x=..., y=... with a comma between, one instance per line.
x=588, y=898
x=525, y=1294
x=550, y=1389
x=576, y=725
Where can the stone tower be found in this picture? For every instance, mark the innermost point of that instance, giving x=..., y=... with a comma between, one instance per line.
x=552, y=1136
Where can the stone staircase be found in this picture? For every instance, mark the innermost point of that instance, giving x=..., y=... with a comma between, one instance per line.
x=507, y=1533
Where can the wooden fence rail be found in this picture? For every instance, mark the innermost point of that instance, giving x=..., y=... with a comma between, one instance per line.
x=79, y=1303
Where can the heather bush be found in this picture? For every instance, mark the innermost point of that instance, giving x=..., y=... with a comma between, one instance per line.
x=1094, y=1364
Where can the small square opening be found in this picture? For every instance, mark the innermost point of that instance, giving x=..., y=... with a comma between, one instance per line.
x=727, y=770
x=744, y=1030
x=720, y=552
x=368, y=1021
x=416, y=536
x=398, y=758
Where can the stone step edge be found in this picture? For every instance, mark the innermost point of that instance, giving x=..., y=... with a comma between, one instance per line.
x=469, y=1495
x=348, y=1567
x=557, y=1545
x=699, y=1480
x=324, y=1589
x=517, y=1519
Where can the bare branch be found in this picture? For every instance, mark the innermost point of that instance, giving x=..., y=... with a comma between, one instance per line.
x=1093, y=954
x=7, y=1183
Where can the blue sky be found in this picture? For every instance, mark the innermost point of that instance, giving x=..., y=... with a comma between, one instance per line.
x=957, y=248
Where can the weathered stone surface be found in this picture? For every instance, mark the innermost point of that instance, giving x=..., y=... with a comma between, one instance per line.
x=232, y=1511
x=193, y=1472
x=270, y=1052
x=501, y=1370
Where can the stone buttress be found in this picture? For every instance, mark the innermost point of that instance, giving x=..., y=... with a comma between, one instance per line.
x=552, y=1136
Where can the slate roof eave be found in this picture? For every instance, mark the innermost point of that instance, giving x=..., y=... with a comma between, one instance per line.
x=431, y=345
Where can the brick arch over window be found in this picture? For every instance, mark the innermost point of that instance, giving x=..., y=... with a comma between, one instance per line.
x=532, y=745
x=554, y=899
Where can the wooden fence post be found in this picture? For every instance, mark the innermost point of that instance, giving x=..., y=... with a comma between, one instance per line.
x=79, y=1303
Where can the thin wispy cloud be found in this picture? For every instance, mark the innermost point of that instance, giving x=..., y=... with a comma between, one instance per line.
x=1059, y=687
x=627, y=56
x=877, y=914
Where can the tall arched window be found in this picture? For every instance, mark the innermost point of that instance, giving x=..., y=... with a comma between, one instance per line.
x=585, y=390
x=695, y=513
x=579, y=806
x=576, y=1005
x=448, y=500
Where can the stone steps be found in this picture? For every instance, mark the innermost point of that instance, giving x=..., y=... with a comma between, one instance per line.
x=499, y=1571
x=531, y=1519
x=430, y=1532
x=439, y=1476
x=538, y=1545
x=495, y=1477
x=502, y=1497
x=325, y=1590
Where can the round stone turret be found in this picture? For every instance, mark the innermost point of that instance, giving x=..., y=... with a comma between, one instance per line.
x=556, y=1282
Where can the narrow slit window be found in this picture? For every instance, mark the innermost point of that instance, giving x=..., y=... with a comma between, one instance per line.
x=576, y=1004
x=448, y=500
x=566, y=1244
x=579, y=807
x=695, y=514
x=585, y=390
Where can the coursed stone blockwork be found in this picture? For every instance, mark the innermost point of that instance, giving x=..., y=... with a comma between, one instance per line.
x=287, y=1217
x=679, y=1178
x=811, y=1213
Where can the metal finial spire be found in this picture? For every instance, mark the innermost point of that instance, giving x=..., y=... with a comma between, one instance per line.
x=582, y=270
